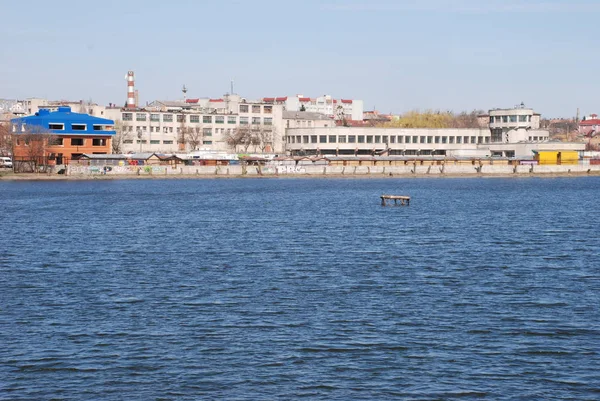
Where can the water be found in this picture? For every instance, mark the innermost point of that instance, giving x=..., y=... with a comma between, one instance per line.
x=263, y=289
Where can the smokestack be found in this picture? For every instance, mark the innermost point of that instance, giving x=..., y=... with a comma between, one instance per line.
x=131, y=104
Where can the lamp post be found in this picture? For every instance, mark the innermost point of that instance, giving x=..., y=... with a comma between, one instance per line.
x=139, y=136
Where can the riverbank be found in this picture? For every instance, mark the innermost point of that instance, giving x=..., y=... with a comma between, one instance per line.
x=104, y=177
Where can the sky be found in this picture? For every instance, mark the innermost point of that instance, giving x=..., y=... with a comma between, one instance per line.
x=395, y=55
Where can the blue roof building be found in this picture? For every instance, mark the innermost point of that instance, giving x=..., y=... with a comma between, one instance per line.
x=62, y=135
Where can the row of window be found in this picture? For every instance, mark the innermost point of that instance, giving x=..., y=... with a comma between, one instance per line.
x=74, y=141
x=195, y=119
x=385, y=139
x=157, y=142
x=74, y=127
x=167, y=130
x=256, y=108
x=512, y=119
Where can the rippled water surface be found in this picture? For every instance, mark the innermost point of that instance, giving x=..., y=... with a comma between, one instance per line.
x=263, y=289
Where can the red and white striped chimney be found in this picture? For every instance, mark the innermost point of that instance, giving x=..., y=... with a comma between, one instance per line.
x=130, y=91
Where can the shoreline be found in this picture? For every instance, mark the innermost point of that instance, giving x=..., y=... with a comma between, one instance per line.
x=55, y=177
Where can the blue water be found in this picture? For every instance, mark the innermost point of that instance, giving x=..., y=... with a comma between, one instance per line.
x=265, y=289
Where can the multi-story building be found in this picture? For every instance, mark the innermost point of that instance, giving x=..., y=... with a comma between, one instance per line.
x=59, y=136
x=229, y=124
x=511, y=133
x=347, y=109
x=516, y=125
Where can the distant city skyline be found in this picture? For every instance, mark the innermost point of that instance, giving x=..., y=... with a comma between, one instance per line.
x=396, y=56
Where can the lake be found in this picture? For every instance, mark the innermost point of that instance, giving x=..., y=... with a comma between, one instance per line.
x=263, y=289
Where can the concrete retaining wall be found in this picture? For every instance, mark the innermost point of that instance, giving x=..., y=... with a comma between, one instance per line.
x=373, y=171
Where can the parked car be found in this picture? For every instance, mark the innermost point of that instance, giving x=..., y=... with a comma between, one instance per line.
x=5, y=162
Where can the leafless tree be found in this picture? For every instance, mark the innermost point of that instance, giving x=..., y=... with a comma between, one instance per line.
x=6, y=139
x=33, y=145
x=121, y=134
x=264, y=136
x=194, y=137
x=237, y=137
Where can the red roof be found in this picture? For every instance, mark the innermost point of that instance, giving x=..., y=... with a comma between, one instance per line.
x=304, y=99
x=281, y=99
x=215, y=100
x=192, y=100
x=268, y=99
x=346, y=101
x=595, y=121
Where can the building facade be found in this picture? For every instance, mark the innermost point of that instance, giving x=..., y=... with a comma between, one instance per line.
x=349, y=109
x=61, y=135
x=230, y=124
x=510, y=133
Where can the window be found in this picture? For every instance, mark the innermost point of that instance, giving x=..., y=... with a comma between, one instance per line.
x=451, y=139
x=393, y=139
x=408, y=139
x=181, y=118
x=207, y=142
x=57, y=142
x=78, y=127
x=513, y=119
x=243, y=120
x=377, y=139
x=77, y=141
x=127, y=141
x=322, y=138
x=504, y=119
x=400, y=139
x=99, y=142
x=142, y=141
x=57, y=126
x=207, y=131
x=459, y=139
x=522, y=119
x=256, y=108
x=155, y=117
x=422, y=139
x=361, y=139
x=437, y=139
x=473, y=139
x=385, y=139
x=168, y=118
x=219, y=120
x=268, y=121
x=444, y=139
x=342, y=138
x=154, y=142
x=140, y=116
x=305, y=139
x=351, y=138
x=414, y=139
x=207, y=119
x=268, y=109
x=243, y=108
x=231, y=119
x=369, y=138
x=168, y=142
x=332, y=138
x=194, y=119
x=313, y=139
x=127, y=116
x=255, y=120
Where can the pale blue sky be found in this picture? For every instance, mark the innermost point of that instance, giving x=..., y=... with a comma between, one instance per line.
x=395, y=55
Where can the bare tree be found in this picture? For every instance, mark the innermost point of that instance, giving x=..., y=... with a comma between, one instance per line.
x=6, y=139
x=194, y=137
x=32, y=148
x=238, y=137
x=264, y=136
x=121, y=135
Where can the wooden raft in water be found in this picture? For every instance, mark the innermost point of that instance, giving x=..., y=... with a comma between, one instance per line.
x=404, y=200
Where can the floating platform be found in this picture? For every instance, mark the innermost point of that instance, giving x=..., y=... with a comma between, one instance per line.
x=404, y=200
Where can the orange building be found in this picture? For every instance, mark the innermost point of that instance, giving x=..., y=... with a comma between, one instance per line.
x=57, y=137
